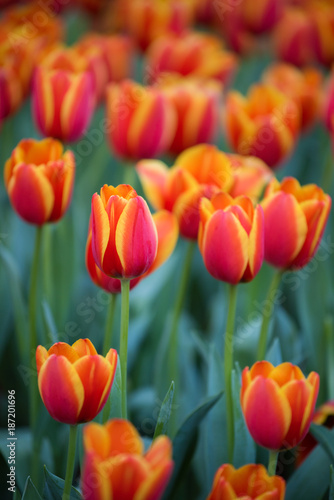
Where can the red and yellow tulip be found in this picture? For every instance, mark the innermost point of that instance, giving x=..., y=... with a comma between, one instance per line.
x=142, y=120
x=198, y=172
x=39, y=179
x=263, y=124
x=251, y=175
x=295, y=218
x=278, y=403
x=74, y=381
x=328, y=102
x=167, y=230
x=124, y=236
x=230, y=237
x=249, y=482
x=115, y=465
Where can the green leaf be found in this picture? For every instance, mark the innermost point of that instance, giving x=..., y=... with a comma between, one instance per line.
x=54, y=486
x=17, y=495
x=164, y=413
x=184, y=442
x=30, y=492
x=274, y=354
x=331, y=489
x=244, y=445
x=49, y=322
x=115, y=397
x=324, y=437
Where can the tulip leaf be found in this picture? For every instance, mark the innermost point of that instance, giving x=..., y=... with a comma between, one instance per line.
x=49, y=322
x=30, y=492
x=324, y=437
x=164, y=413
x=331, y=488
x=17, y=495
x=54, y=486
x=184, y=442
x=244, y=445
x=115, y=397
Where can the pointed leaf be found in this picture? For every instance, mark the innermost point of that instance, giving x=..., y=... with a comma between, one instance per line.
x=54, y=486
x=30, y=492
x=164, y=413
x=325, y=438
x=49, y=322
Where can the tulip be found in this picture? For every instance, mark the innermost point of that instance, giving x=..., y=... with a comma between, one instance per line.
x=142, y=120
x=302, y=86
x=251, y=175
x=199, y=171
x=328, y=102
x=231, y=237
x=115, y=451
x=62, y=102
x=167, y=231
x=249, y=482
x=278, y=403
x=295, y=219
x=321, y=12
x=74, y=381
x=264, y=17
x=11, y=90
x=263, y=124
x=39, y=179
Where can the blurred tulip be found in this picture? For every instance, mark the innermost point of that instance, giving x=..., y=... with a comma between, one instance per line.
x=167, y=230
x=74, y=381
x=249, y=482
x=262, y=18
x=295, y=218
x=115, y=451
x=302, y=86
x=124, y=236
x=39, y=179
x=198, y=172
x=251, y=175
x=263, y=124
x=230, y=237
x=328, y=102
x=11, y=88
x=191, y=54
x=322, y=14
x=142, y=120
x=278, y=403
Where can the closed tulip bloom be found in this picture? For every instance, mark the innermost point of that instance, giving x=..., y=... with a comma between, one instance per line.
x=116, y=466
x=39, y=179
x=278, y=403
x=142, y=120
x=167, y=230
x=263, y=124
x=328, y=102
x=303, y=86
x=295, y=219
x=262, y=18
x=249, y=482
x=230, y=237
x=74, y=381
x=251, y=175
x=199, y=171
x=124, y=236
x=322, y=14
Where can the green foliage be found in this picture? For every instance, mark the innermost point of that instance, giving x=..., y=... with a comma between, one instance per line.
x=53, y=488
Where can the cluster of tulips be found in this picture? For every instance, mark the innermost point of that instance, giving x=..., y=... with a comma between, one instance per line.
x=228, y=204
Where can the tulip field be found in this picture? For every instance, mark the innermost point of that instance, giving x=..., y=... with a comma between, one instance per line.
x=167, y=250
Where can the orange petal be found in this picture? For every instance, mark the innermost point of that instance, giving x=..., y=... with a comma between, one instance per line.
x=285, y=372
x=256, y=244
x=84, y=347
x=126, y=474
x=96, y=439
x=153, y=177
x=123, y=438
x=63, y=349
x=100, y=230
x=156, y=482
x=168, y=233
x=95, y=482
x=159, y=452
x=41, y=357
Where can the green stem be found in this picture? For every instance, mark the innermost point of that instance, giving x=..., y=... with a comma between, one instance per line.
x=228, y=367
x=109, y=324
x=267, y=313
x=272, y=463
x=33, y=346
x=329, y=337
x=123, y=350
x=173, y=338
x=70, y=462
x=47, y=259
x=130, y=176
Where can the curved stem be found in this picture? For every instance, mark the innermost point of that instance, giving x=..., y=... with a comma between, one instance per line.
x=228, y=367
x=272, y=464
x=70, y=462
x=267, y=312
x=123, y=351
x=109, y=324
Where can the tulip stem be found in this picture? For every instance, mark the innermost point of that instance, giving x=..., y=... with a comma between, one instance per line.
x=228, y=367
x=123, y=351
x=267, y=313
x=272, y=464
x=70, y=462
x=109, y=324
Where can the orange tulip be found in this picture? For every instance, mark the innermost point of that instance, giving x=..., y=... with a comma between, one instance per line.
x=295, y=218
x=322, y=14
x=263, y=124
x=142, y=120
x=115, y=451
x=167, y=230
x=262, y=18
x=191, y=54
x=39, y=179
x=74, y=381
x=230, y=237
x=124, y=236
x=199, y=171
x=251, y=175
x=302, y=86
x=328, y=102
x=278, y=403
x=249, y=482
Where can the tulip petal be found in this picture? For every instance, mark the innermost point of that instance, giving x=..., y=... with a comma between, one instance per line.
x=123, y=438
x=41, y=356
x=61, y=389
x=153, y=177
x=159, y=452
x=100, y=230
x=168, y=232
x=95, y=482
x=267, y=413
x=285, y=372
x=156, y=482
x=126, y=474
x=256, y=245
x=63, y=349
x=84, y=347
x=96, y=439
